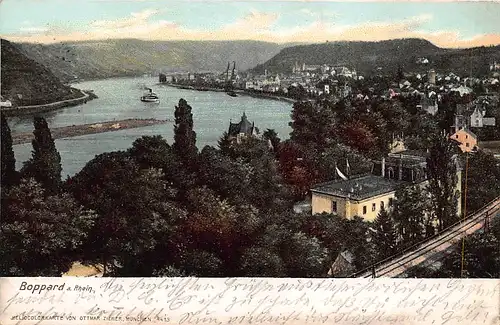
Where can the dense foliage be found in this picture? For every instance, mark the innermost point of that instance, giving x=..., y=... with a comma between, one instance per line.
x=40, y=235
x=442, y=166
x=172, y=210
x=45, y=164
x=483, y=179
x=9, y=174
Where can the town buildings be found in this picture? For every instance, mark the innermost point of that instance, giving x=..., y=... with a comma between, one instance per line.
x=365, y=195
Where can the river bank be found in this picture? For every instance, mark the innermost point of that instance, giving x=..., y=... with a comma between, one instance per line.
x=238, y=91
x=43, y=108
x=119, y=100
x=77, y=130
x=266, y=96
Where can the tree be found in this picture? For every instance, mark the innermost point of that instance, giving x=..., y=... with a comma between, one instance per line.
x=231, y=179
x=395, y=115
x=246, y=172
x=9, y=174
x=359, y=136
x=302, y=255
x=185, y=147
x=214, y=225
x=272, y=136
x=155, y=152
x=423, y=128
x=442, y=174
x=483, y=180
x=268, y=191
x=45, y=163
x=447, y=110
x=266, y=188
x=225, y=143
x=328, y=228
x=384, y=237
x=313, y=125
x=201, y=263
x=297, y=92
x=409, y=215
x=41, y=235
x=297, y=169
x=184, y=135
x=261, y=262
x=356, y=240
x=136, y=218
x=383, y=135
x=151, y=152
x=301, y=122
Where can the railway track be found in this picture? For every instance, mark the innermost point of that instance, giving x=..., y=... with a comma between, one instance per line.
x=397, y=265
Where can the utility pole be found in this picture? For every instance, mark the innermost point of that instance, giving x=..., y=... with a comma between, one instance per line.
x=486, y=221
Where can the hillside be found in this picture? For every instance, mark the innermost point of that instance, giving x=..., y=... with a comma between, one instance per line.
x=26, y=82
x=110, y=58
x=366, y=57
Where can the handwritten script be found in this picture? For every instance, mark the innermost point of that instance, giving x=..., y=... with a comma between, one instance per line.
x=248, y=301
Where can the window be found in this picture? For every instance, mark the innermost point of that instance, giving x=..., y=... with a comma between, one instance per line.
x=466, y=136
x=467, y=144
x=374, y=206
x=390, y=172
x=364, y=209
x=456, y=136
x=334, y=206
x=391, y=202
x=382, y=204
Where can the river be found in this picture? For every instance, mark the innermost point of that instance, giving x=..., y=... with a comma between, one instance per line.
x=119, y=99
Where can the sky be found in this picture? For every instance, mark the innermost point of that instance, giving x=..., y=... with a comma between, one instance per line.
x=446, y=24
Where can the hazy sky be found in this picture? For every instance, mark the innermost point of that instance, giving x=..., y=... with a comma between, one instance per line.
x=446, y=24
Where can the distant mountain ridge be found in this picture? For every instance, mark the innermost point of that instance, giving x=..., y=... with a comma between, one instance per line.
x=27, y=82
x=128, y=57
x=366, y=57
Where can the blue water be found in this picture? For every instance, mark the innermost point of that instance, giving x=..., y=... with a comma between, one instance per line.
x=119, y=99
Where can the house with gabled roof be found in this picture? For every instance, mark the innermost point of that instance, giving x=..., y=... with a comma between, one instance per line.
x=365, y=195
x=466, y=138
x=243, y=129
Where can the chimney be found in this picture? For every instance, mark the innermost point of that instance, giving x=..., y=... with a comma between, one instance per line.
x=400, y=167
x=383, y=167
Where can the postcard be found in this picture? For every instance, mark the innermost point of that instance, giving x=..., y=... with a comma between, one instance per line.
x=243, y=162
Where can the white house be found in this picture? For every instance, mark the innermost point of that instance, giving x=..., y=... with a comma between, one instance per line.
x=476, y=118
x=5, y=103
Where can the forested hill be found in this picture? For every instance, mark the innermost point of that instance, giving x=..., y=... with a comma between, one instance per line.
x=127, y=57
x=26, y=82
x=366, y=57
